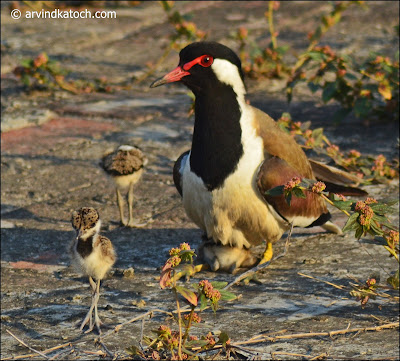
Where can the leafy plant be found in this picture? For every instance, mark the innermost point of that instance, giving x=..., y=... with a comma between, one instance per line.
x=258, y=62
x=185, y=32
x=370, y=89
x=369, y=169
x=44, y=73
x=364, y=217
x=180, y=344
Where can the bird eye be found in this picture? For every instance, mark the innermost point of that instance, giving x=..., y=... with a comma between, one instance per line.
x=206, y=60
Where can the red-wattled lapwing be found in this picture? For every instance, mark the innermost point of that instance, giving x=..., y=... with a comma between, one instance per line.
x=93, y=255
x=238, y=153
x=125, y=166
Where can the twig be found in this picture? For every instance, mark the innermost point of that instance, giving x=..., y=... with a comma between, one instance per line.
x=58, y=354
x=263, y=265
x=31, y=348
x=84, y=185
x=34, y=354
x=319, y=334
x=141, y=333
x=318, y=279
x=288, y=354
x=108, y=352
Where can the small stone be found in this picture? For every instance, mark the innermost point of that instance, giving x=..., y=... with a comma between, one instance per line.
x=139, y=304
x=7, y=224
x=128, y=273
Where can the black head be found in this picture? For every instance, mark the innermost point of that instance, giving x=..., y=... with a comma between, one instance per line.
x=205, y=64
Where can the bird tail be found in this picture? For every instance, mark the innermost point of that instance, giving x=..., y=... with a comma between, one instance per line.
x=337, y=180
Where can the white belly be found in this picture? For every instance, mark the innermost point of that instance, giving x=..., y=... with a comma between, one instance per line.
x=235, y=213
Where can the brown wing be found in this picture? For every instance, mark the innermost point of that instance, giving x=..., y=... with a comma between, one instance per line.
x=280, y=144
x=284, y=160
x=107, y=249
x=337, y=180
x=302, y=211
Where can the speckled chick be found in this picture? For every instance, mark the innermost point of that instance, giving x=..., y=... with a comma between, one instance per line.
x=93, y=255
x=125, y=166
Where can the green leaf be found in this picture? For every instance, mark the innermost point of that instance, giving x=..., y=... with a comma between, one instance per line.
x=329, y=91
x=188, y=294
x=342, y=205
x=185, y=350
x=359, y=232
x=362, y=107
x=376, y=230
x=297, y=192
x=133, y=350
x=276, y=191
x=196, y=343
x=351, y=223
x=203, y=301
x=288, y=198
x=223, y=338
x=218, y=285
x=316, y=55
x=227, y=296
x=27, y=63
x=313, y=86
x=382, y=208
x=394, y=280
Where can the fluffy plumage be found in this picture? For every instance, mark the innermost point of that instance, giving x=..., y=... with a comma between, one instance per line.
x=125, y=166
x=92, y=254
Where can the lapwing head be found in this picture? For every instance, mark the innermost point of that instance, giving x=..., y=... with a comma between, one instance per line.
x=206, y=65
x=86, y=222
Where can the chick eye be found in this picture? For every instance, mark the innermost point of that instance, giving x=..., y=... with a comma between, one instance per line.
x=206, y=60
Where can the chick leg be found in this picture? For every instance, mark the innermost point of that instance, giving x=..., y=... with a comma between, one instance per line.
x=97, y=321
x=131, y=221
x=88, y=317
x=130, y=205
x=120, y=202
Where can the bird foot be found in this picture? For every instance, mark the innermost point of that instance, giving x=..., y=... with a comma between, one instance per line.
x=135, y=224
x=87, y=320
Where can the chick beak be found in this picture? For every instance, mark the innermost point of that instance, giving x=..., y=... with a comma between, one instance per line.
x=175, y=75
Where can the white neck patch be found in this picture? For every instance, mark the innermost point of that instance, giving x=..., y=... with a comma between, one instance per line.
x=228, y=73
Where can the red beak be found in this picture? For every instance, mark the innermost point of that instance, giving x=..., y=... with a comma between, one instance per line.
x=175, y=75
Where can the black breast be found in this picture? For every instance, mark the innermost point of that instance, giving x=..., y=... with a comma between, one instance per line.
x=216, y=147
x=85, y=247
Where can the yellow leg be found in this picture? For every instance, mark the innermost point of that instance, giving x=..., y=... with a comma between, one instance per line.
x=268, y=253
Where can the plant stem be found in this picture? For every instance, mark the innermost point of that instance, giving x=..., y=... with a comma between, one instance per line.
x=188, y=325
x=179, y=325
x=330, y=202
x=271, y=23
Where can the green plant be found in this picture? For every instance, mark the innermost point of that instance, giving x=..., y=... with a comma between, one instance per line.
x=185, y=32
x=370, y=89
x=44, y=73
x=367, y=168
x=258, y=62
x=181, y=344
x=364, y=217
